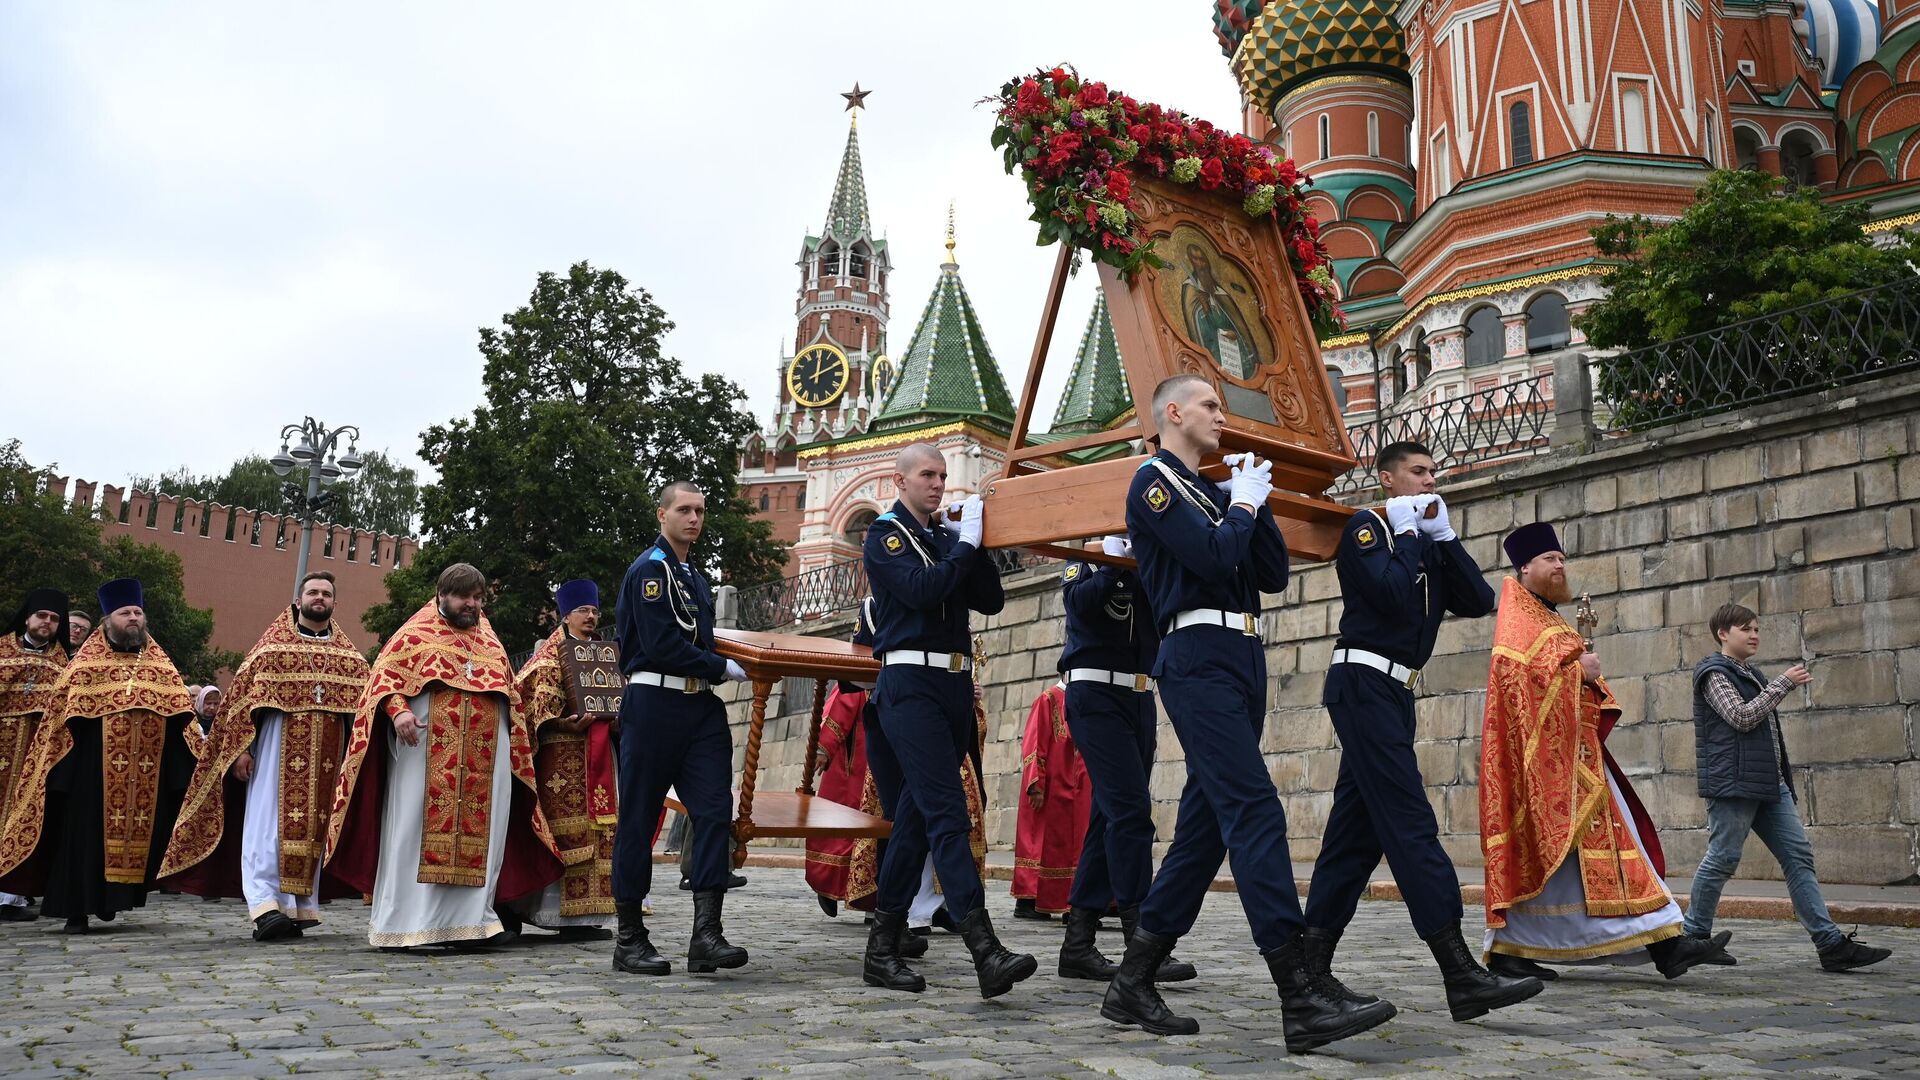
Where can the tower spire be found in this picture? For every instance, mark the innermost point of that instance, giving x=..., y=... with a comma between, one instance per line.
x=847, y=211
x=951, y=264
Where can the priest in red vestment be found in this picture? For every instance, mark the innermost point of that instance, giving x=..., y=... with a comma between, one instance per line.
x=255, y=815
x=32, y=651
x=1573, y=865
x=840, y=870
x=1053, y=815
x=101, y=783
x=435, y=814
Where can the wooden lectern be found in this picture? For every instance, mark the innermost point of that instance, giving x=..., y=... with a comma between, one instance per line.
x=1225, y=307
x=768, y=658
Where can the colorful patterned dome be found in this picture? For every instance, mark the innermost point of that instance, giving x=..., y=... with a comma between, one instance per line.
x=1231, y=19
x=1296, y=40
x=1843, y=33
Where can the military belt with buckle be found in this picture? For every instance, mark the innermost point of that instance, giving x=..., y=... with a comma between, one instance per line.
x=1131, y=680
x=686, y=684
x=1246, y=622
x=942, y=660
x=1400, y=673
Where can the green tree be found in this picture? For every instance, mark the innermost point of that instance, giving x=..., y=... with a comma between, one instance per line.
x=1746, y=247
x=45, y=541
x=384, y=496
x=554, y=476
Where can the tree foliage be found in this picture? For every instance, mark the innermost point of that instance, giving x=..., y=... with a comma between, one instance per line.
x=554, y=476
x=47, y=542
x=1745, y=248
x=384, y=496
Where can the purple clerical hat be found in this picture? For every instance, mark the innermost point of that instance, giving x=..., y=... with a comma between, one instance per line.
x=119, y=593
x=576, y=594
x=1528, y=542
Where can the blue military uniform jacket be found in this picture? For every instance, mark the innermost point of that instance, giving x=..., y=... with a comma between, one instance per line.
x=1193, y=549
x=924, y=582
x=1109, y=624
x=1397, y=589
x=665, y=620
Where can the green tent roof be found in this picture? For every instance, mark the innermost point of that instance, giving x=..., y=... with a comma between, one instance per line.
x=1096, y=390
x=847, y=213
x=947, y=369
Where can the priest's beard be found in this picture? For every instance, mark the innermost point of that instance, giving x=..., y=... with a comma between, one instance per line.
x=462, y=620
x=133, y=641
x=35, y=641
x=1556, y=590
x=318, y=614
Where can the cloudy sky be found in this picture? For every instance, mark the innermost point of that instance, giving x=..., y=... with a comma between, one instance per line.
x=220, y=217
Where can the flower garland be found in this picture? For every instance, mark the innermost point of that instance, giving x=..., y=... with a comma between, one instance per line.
x=1079, y=146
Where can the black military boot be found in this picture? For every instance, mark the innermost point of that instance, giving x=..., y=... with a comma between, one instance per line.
x=1316, y=949
x=1131, y=997
x=709, y=948
x=1172, y=968
x=913, y=943
x=883, y=966
x=1473, y=991
x=633, y=951
x=1311, y=1012
x=1676, y=956
x=1079, y=958
x=997, y=967
x=1519, y=967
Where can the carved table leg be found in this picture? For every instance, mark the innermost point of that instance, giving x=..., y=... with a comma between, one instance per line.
x=750, y=771
x=813, y=736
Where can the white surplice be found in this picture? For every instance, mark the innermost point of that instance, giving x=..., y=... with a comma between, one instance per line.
x=405, y=912
x=260, y=834
x=1555, y=926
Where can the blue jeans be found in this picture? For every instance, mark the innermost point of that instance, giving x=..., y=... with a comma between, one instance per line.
x=1778, y=825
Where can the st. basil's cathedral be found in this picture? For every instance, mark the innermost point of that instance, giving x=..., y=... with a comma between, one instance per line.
x=1461, y=153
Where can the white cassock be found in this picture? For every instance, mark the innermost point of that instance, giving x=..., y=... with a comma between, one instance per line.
x=405, y=912
x=260, y=835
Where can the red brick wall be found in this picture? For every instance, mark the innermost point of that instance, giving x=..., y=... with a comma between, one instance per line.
x=246, y=583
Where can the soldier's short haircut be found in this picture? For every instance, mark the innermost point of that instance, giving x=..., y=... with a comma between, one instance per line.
x=677, y=487
x=1174, y=388
x=914, y=454
x=1396, y=452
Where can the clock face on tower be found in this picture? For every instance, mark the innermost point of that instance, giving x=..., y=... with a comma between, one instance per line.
x=818, y=376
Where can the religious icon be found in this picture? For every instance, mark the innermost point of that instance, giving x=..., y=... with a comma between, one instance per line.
x=1213, y=298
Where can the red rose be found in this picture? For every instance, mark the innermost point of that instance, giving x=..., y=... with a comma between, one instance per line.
x=1140, y=133
x=1031, y=98
x=1093, y=95
x=1118, y=185
x=1058, y=75
x=1212, y=173
x=1239, y=144
x=1303, y=251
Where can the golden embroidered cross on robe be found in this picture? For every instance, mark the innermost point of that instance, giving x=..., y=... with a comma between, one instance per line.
x=471, y=787
x=289, y=705
x=1562, y=835
x=575, y=773
x=101, y=782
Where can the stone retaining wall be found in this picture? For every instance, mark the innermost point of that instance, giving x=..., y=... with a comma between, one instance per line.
x=1805, y=511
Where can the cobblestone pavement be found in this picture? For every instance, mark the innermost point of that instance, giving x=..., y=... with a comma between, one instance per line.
x=179, y=988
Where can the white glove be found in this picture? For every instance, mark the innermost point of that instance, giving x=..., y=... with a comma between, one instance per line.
x=1252, y=482
x=1439, y=526
x=970, y=520
x=1232, y=461
x=1403, y=514
x=736, y=673
x=1118, y=546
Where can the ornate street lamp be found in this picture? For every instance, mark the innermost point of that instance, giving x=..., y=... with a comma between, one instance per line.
x=315, y=452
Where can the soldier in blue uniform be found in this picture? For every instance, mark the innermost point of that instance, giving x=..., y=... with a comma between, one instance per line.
x=1205, y=556
x=926, y=577
x=1111, y=641
x=1400, y=572
x=673, y=733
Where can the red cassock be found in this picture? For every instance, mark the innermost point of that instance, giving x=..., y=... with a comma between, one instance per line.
x=1056, y=800
x=840, y=868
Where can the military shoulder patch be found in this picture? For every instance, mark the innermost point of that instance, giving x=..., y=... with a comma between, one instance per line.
x=652, y=589
x=1366, y=538
x=1073, y=572
x=894, y=544
x=1157, y=498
